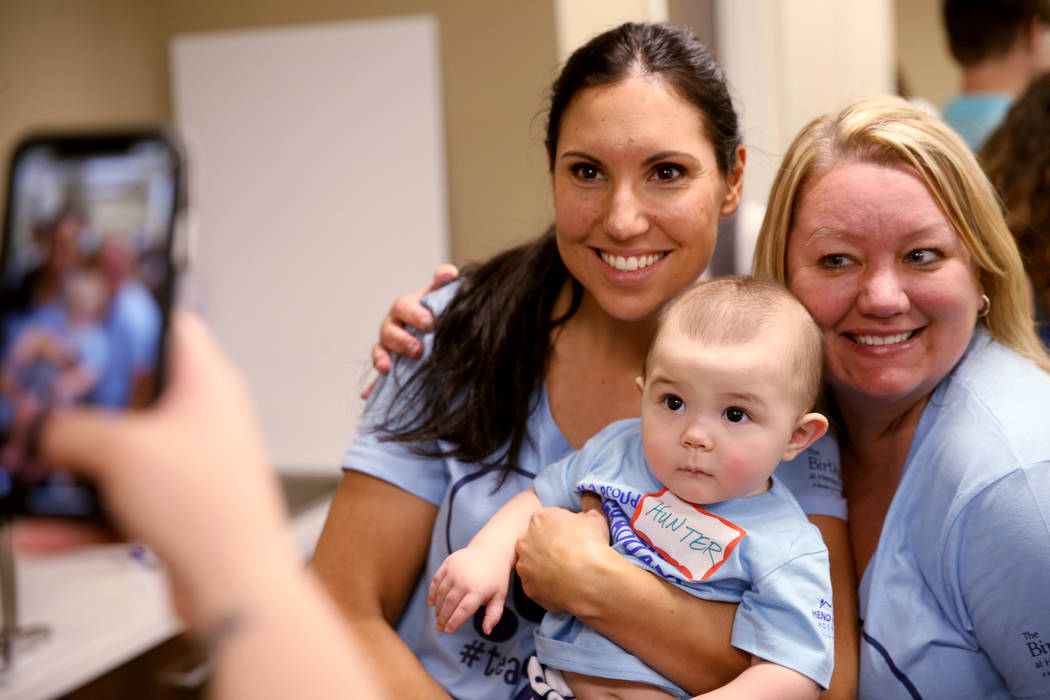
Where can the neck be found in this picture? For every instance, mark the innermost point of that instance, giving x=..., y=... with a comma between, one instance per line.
x=609, y=339
x=873, y=427
x=1007, y=74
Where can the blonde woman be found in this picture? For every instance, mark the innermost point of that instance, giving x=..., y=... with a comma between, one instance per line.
x=883, y=225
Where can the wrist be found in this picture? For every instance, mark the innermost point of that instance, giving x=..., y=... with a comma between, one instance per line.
x=597, y=571
x=237, y=580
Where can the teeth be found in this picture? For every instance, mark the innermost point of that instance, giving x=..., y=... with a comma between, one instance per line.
x=882, y=339
x=631, y=263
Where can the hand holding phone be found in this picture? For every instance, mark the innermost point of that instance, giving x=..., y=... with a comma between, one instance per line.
x=86, y=282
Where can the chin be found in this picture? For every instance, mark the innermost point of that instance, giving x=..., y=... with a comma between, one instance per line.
x=886, y=388
x=630, y=310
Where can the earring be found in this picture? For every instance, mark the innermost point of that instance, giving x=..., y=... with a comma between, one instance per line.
x=985, y=307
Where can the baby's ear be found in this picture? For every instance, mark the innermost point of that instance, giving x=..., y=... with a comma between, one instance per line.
x=640, y=383
x=809, y=428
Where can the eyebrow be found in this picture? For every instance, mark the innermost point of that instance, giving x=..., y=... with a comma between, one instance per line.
x=655, y=158
x=661, y=379
x=747, y=397
x=831, y=232
x=667, y=155
x=581, y=154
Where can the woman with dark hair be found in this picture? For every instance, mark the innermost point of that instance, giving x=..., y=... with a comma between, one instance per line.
x=533, y=353
x=1016, y=158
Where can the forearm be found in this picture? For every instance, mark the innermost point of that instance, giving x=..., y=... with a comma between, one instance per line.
x=766, y=680
x=332, y=664
x=647, y=617
x=508, y=524
x=369, y=586
x=399, y=671
x=847, y=620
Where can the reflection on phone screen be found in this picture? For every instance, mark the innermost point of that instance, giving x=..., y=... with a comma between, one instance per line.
x=86, y=282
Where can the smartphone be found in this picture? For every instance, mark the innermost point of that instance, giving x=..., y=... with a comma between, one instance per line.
x=87, y=277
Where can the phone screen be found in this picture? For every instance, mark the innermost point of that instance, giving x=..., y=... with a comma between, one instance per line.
x=87, y=281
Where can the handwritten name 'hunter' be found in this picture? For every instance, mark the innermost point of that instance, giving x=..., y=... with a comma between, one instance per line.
x=692, y=539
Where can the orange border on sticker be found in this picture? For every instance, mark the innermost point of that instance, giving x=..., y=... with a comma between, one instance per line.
x=671, y=560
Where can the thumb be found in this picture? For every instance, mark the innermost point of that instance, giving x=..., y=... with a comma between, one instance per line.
x=493, y=612
x=81, y=440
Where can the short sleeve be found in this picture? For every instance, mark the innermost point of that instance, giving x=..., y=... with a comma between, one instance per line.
x=559, y=484
x=814, y=478
x=997, y=567
x=786, y=617
x=555, y=484
x=398, y=462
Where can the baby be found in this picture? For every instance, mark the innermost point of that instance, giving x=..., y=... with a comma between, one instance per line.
x=729, y=380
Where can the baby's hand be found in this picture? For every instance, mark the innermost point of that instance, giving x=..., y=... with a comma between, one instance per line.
x=466, y=580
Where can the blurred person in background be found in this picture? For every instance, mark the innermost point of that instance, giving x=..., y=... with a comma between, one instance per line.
x=1016, y=158
x=1000, y=45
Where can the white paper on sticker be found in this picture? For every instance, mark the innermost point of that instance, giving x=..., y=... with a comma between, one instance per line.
x=695, y=541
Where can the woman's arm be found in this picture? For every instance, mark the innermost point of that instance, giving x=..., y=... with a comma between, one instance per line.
x=847, y=618
x=565, y=563
x=766, y=681
x=369, y=556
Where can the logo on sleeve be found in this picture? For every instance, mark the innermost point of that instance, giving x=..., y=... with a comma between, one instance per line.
x=693, y=540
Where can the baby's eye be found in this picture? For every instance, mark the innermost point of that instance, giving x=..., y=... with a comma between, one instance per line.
x=734, y=414
x=668, y=172
x=586, y=171
x=672, y=402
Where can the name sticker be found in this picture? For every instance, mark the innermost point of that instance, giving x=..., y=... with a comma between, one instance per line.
x=693, y=540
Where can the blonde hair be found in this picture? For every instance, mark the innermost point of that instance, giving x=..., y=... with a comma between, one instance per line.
x=889, y=131
x=731, y=310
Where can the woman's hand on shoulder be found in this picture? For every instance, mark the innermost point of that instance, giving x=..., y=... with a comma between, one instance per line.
x=407, y=311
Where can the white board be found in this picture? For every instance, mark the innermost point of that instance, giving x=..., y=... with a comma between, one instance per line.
x=317, y=192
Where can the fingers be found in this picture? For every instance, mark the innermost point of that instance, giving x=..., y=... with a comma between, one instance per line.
x=493, y=612
x=368, y=391
x=81, y=441
x=453, y=608
x=443, y=274
x=445, y=596
x=455, y=603
x=435, y=586
x=407, y=311
x=380, y=359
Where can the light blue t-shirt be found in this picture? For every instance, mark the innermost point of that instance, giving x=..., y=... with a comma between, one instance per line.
x=133, y=326
x=759, y=551
x=468, y=663
x=975, y=115
x=955, y=602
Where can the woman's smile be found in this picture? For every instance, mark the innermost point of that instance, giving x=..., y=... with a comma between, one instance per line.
x=629, y=263
x=637, y=195
x=887, y=279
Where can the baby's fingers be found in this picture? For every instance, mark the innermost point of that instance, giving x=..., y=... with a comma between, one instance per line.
x=493, y=612
x=435, y=593
x=464, y=611
x=447, y=606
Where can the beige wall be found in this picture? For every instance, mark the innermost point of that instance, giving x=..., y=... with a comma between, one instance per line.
x=922, y=51
x=103, y=62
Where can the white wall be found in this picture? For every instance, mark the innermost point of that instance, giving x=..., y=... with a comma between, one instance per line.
x=788, y=62
x=317, y=183
x=576, y=21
